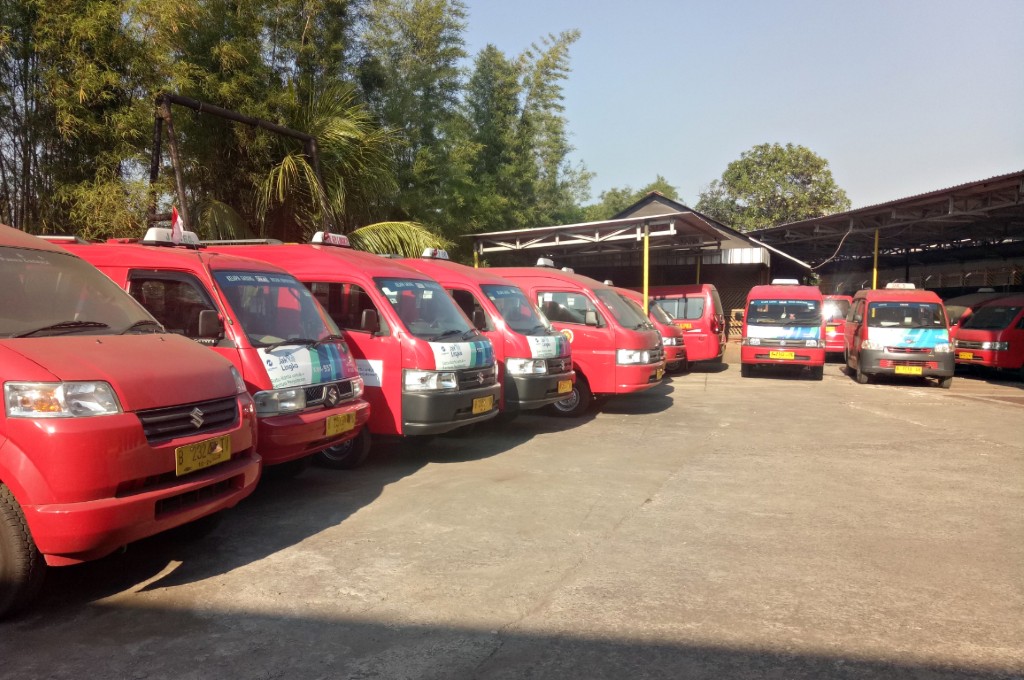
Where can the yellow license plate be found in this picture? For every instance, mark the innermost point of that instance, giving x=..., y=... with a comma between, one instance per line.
x=339, y=423
x=564, y=386
x=483, y=404
x=659, y=374
x=909, y=370
x=830, y=329
x=192, y=457
x=779, y=354
x=965, y=355
x=685, y=326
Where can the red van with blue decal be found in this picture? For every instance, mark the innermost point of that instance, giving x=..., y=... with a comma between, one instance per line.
x=783, y=326
x=112, y=429
x=427, y=370
x=899, y=330
x=534, y=363
x=297, y=367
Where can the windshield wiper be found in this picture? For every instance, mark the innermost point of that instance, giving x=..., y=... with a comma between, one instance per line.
x=328, y=338
x=446, y=334
x=69, y=326
x=142, y=324
x=291, y=341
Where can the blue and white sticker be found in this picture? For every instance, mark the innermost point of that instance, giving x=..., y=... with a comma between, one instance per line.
x=298, y=365
x=784, y=332
x=548, y=346
x=456, y=355
x=909, y=337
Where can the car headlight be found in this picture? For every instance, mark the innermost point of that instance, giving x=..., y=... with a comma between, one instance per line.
x=669, y=342
x=358, y=387
x=60, y=400
x=871, y=345
x=628, y=357
x=942, y=347
x=752, y=342
x=240, y=387
x=430, y=381
x=275, y=402
x=815, y=343
x=996, y=346
x=526, y=366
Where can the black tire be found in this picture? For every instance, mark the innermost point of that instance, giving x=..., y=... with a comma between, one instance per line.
x=577, y=403
x=817, y=373
x=22, y=567
x=346, y=456
x=746, y=370
x=862, y=377
x=946, y=383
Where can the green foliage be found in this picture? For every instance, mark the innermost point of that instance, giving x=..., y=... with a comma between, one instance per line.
x=615, y=200
x=773, y=184
x=407, y=239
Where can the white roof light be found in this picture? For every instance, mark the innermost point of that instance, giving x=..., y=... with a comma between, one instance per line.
x=162, y=236
x=568, y=270
x=435, y=254
x=785, y=282
x=328, y=239
x=545, y=262
x=900, y=285
x=609, y=282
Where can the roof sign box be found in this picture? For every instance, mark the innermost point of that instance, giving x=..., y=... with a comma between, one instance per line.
x=435, y=254
x=328, y=239
x=161, y=236
x=545, y=262
x=900, y=285
x=785, y=282
x=568, y=270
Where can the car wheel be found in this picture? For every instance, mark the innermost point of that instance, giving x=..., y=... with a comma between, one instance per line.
x=746, y=370
x=862, y=377
x=347, y=455
x=817, y=373
x=21, y=565
x=946, y=383
x=577, y=403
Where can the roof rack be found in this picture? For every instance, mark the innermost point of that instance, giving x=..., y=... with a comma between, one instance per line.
x=242, y=242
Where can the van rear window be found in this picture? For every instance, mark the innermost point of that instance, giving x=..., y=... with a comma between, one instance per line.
x=688, y=308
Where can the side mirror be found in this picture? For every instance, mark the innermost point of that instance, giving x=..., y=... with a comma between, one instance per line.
x=210, y=325
x=590, y=318
x=479, y=319
x=370, y=322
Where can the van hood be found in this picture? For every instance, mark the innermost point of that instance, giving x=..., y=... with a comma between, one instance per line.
x=147, y=371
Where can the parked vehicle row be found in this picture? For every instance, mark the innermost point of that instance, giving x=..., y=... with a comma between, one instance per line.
x=153, y=397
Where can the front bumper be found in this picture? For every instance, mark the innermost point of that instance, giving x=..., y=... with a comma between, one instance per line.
x=288, y=437
x=885, y=362
x=528, y=392
x=439, y=412
x=782, y=356
x=629, y=379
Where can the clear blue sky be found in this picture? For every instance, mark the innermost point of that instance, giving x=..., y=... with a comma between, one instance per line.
x=900, y=96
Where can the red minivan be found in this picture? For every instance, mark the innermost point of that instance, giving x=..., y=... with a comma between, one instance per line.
x=296, y=365
x=671, y=334
x=697, y=310
x=835, y=310
x=112, y=429
x=783, y=326
x=534, y=363
x=427, y=370
x=993, y=336
x=615, y=349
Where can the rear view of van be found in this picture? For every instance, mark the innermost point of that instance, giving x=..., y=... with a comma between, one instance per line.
x=697, y=311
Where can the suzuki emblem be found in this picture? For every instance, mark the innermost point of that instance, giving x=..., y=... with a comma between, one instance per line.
x=332, y=396
x=480, y=378
x=197, y=417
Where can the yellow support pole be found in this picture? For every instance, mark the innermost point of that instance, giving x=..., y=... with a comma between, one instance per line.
x=700, y=258
x=476, y=259
x=647, y=263
x=874, y=269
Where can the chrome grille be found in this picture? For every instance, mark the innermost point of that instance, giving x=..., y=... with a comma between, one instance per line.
x=657, y=354
x=315, y=394
x=969, y=344
x=559, y=365
x=473, y=378
x=161, y=424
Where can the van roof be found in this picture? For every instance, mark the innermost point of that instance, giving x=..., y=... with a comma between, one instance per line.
x=683, y=289
x=786, y=291
x=16, y=238
x=439, y=269
x=898, y=295
x=307, y=261
x=549, y=274
x=157, y=257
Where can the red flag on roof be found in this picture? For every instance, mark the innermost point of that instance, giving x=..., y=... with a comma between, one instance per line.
x=175, y=226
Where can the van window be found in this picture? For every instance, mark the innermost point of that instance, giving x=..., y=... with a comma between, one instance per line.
x=516, y=309
x=426, y=309
x=717, y=301
x=345, y=303
x=685, y=308
x=905, y=315
x=566, y=307
x=784, y=313
x=40, y=290
x=660, y=315
x=273, y=307
x=175, y=301
x=625, y=311
x=836, y=309
x=992, y=317
x=469, y=305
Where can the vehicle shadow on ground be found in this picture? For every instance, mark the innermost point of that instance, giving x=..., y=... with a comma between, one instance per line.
x=280, y=513
x=655, y=400
x=120, y=641
x=781, y=373
x=992, y=377
x=704, y=367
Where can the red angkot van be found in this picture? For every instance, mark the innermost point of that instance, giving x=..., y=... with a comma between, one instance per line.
x=294, y=361
x=615, y=349
x=534, y=363
x=783, y=325
x=993, y=336
x=835, y=310
x=112, y=429
x=697, y=310
x=671, y=334
x=427, y=370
